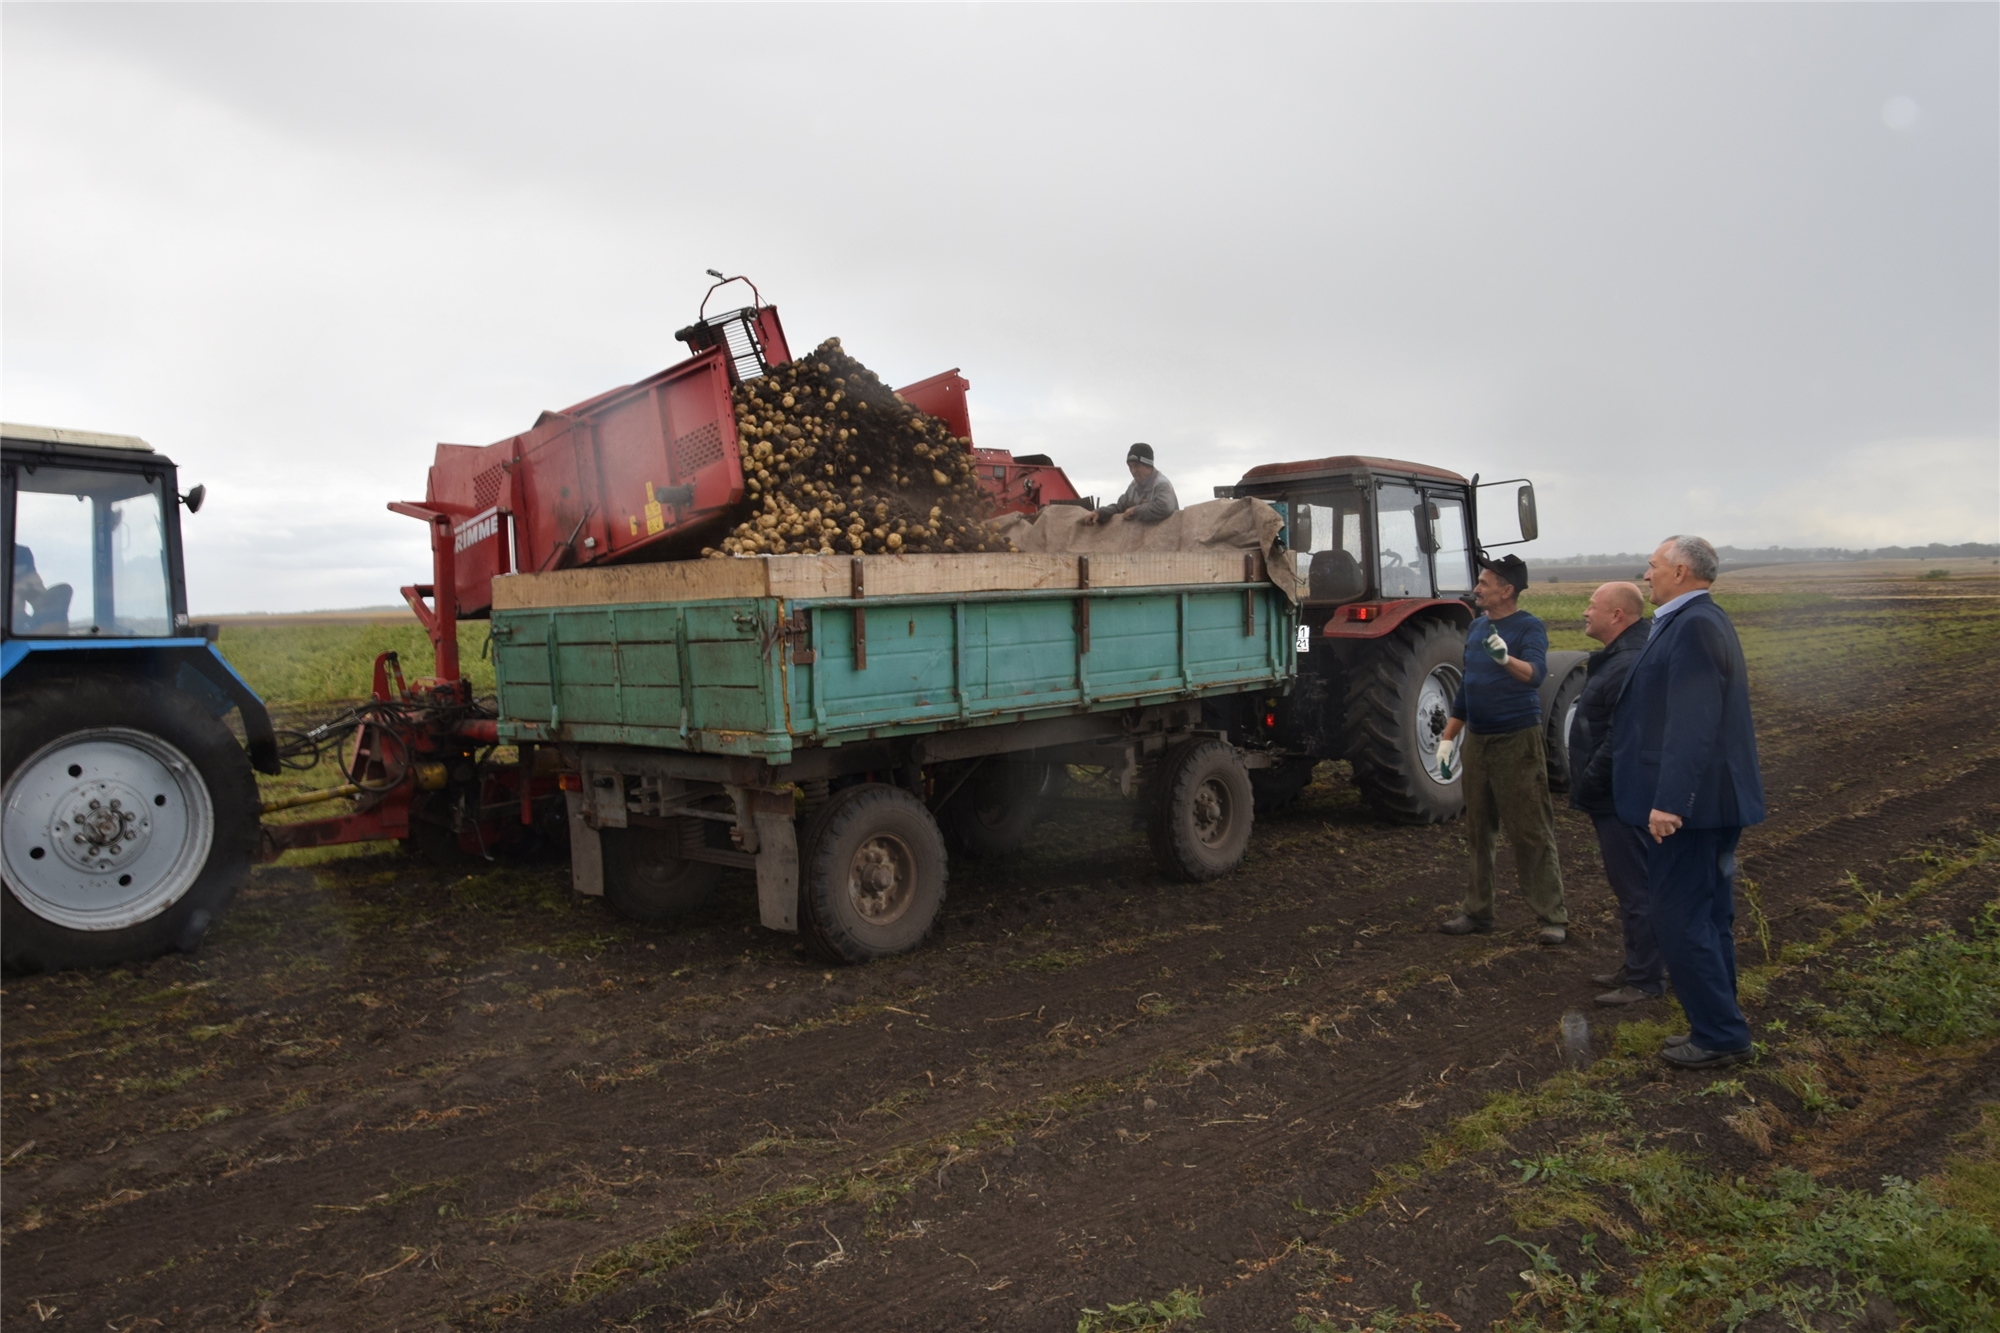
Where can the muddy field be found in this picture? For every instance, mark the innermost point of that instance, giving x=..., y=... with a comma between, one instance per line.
x=387, y=1096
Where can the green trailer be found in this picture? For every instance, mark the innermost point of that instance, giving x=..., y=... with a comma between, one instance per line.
x=833, y=723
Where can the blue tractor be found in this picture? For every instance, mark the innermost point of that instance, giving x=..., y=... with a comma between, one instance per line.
x=130, y=812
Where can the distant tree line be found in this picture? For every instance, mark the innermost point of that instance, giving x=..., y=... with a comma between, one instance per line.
x=1772, y=555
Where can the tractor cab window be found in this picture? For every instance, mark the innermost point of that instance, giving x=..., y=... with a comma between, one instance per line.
x=1327, y=532
x=1400, y=562
x=90, y=555
x=1450, y=556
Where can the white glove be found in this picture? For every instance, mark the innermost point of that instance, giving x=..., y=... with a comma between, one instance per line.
x=1446, y=749
x=1496, y=647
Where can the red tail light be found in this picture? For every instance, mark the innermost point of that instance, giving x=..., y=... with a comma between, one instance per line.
x=570, y=781
x=1363, y=612
x=1271, y=721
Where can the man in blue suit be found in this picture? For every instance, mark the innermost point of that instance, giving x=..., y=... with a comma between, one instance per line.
x=1684, y=768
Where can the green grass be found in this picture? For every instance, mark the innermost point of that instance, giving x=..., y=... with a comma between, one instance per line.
x=302, y=662
x=1178, y=1309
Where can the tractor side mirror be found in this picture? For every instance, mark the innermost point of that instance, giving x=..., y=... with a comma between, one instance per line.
x=194, y=498
x=1427, y=517
x=1524, y=502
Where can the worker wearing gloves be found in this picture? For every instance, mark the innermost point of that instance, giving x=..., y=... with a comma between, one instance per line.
x=1684, y=772
x=1494, y=738
x=1615, y=618
x=1148, y=499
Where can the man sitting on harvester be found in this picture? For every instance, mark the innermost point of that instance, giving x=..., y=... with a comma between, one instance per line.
x=1148, y=499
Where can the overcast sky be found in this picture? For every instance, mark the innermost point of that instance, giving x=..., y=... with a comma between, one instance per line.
x=1729, y=270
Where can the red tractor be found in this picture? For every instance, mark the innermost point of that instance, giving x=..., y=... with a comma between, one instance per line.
x=1387, y=553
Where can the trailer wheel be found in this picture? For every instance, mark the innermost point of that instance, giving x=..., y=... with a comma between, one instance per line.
x=130, y=820
x=1202, y=811
x=996, y=809
x=1557, y=738
x=647, y=879
x=874, y=880
x=1397, y=705
x=1276, y=788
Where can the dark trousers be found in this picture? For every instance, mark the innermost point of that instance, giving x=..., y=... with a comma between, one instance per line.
x=1507, y=786
x=1692, y=879
x=1625, y=852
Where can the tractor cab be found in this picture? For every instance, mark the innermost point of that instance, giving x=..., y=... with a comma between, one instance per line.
x=1376, y=538
x=1388, y=551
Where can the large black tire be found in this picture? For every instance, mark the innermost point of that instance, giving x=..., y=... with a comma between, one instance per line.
x=1398, y=700
x=101, y=762
x=995, y=809
x=1556, y=737
x=1276, y=788
x=873, y=874
x=647, y=879
x=1202, y=810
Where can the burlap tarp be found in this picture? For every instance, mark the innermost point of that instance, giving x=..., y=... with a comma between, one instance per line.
x=1215, y=525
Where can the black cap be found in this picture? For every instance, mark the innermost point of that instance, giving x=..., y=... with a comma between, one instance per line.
x=1140, y=453
x=1511, y=568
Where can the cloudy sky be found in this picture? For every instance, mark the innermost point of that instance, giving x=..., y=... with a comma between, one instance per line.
x=1700, y=267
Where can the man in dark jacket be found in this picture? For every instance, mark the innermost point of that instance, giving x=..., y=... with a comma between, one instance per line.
x=1615, y=618
x=1498, y=712
x=1684, y=768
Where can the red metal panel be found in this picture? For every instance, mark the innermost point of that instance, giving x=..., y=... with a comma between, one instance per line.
x=1390, y=615
x=1313, y=467
x=942, y=396
x=771, y=336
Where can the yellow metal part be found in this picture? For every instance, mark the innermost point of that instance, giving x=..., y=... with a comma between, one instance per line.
x=309, y=798
x=431, y=777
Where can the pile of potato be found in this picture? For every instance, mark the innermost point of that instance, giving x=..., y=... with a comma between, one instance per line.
x=835, y=464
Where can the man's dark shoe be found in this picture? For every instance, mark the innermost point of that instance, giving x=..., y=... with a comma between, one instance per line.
x=1678, y=1039
x=1616, y=978
x=1625, y=995
x=1552, y=935
x=1687, y=1055
x=1466, y=925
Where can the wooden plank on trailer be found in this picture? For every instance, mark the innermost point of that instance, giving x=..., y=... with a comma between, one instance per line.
x=822, y=577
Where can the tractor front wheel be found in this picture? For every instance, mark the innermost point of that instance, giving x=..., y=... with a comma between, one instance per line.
x=130, y=820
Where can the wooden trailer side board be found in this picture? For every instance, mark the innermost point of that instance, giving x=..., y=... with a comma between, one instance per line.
x=817, y=577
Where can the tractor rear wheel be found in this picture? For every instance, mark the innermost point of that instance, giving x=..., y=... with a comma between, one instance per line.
x=647, y=879
x=1557, y=738
x=873, y=874
x=130, y=820
x=1398, y=701
x=1202, y=810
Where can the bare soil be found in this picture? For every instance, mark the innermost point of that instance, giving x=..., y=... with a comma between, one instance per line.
x=387, y=1095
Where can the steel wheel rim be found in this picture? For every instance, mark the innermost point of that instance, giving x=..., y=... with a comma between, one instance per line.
x=1434, y=698
x=1569, y=720
x=1212, y=812
x=105, y=828
x=882, y=879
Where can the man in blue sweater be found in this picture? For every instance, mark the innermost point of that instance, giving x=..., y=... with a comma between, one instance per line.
x=1499, y=710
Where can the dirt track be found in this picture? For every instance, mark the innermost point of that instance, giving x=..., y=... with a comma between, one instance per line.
x=387, y=1096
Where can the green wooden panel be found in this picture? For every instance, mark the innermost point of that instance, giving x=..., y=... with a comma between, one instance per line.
x=1135, y=644
x=910, y=669
x=720, y=708
x=1022, y=652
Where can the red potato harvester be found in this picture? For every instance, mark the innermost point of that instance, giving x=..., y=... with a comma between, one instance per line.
x=644, y=472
